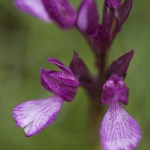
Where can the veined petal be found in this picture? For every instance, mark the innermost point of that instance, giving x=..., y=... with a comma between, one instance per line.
x=35, y=115
x=64, y=88
x=63, y=83
x=119, y=131
x=33, y=7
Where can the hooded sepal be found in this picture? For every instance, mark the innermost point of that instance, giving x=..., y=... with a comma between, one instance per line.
x=80, y=70
x=123, y=13
x=63, y=84
x=114, y=90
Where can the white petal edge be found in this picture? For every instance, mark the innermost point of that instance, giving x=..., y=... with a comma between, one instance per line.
x=34, y=8
x=119, y=131
x=34, y=115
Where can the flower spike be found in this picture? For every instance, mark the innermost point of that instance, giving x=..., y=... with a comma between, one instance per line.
x=119, y=131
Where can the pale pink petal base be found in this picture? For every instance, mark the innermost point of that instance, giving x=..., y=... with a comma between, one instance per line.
x=119, y=131
x=35, y=115
x=33, y=7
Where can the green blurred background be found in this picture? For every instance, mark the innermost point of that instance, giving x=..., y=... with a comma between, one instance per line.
x=26, y=42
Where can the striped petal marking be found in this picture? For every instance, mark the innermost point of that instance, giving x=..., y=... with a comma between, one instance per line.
x=119, y=131
x=35, y=115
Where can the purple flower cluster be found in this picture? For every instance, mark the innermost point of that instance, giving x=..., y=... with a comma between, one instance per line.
x=34, y=115
x=119, y=131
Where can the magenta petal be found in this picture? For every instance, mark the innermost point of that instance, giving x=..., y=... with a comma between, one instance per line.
x=35, y=115
x=119, y=131
x=62, y=12
x=115, y=90
x=34, y=8
x=87, y=17
x=63, y=83
x=120, y=66
x=59, y=64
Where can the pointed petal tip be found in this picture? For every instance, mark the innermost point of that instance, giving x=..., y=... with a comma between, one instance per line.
x=75, y=54
x=54, y=61
x=114, y=90
x=60, y=65
x=130, y=54
x=51, y=59
x=120, y=65
x=42, y=70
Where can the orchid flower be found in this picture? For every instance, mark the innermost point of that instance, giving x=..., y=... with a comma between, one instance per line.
x=119, y=131
x=35, y=115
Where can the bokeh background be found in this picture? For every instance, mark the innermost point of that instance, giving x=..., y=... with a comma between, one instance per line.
x=26, y=42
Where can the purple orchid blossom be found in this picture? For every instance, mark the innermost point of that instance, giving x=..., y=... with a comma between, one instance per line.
x=119, y=131
x=35, y=115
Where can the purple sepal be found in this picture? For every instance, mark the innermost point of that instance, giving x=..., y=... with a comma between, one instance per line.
x=115, y=4
x=120, y=65
x=115, y=90
x=119, y=131
x=62, y=12
x=34, y=8
x=105, y=28
x=80, y=70
x=63, y=84
x=87, y=18
x=35, y=115
x=123, y=13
